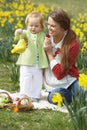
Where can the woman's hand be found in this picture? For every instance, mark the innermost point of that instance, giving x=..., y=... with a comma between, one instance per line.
x=48, y=48
x=47, y=44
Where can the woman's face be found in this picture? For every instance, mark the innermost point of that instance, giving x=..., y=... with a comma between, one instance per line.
x=54, y=28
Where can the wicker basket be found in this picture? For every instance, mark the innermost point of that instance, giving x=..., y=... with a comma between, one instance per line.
x=20, y=105
x=3, y=104
x=25, y=104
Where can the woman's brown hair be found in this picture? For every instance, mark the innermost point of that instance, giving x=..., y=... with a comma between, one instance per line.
x=63, y=19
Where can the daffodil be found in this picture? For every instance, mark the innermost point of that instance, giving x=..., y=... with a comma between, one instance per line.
x=83, y=80
x=57, y=98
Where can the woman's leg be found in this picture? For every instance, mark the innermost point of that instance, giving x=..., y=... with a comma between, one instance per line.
x=68, y=94
x=64, y=92
x=74, y=88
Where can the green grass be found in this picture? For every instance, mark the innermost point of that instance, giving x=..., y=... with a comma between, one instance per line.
x=5, y=78
x=73, y=7
x=31, y=120
x=34, y=120
x=37, y=119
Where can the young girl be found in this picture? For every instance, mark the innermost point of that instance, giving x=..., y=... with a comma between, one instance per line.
x=33, y=59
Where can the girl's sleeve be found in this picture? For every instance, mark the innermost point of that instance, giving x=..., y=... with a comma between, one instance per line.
x=21, y=36
x=17, y=36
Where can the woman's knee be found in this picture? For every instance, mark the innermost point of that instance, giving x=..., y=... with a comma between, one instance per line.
x=52, y=93
x=64, y=93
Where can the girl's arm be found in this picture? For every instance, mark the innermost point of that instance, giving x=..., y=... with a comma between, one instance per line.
x=20, y=34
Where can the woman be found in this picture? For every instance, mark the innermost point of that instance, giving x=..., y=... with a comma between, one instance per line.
x=62, y=49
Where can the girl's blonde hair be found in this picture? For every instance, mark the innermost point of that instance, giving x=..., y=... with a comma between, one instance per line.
x=35, y=15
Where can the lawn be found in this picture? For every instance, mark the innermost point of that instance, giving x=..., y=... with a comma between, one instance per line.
x=31, y=120
x=74, y=7
x=35, y=119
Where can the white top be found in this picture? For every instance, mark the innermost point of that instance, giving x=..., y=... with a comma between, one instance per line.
x=50, y=81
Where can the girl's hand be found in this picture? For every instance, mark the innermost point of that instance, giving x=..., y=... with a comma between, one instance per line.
x=19, y=31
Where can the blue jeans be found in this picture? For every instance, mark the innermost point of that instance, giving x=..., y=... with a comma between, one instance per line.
x=68, y=93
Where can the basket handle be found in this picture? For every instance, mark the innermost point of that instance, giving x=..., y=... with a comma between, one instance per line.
x=8, y=96
x=24, y=98
x=19, y=101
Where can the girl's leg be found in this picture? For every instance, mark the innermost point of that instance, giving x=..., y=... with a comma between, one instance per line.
x=31, y=81
x=25, y=80
x=37, y=83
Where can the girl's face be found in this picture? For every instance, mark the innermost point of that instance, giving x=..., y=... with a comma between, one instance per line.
x=34, y=25
x=54, y=28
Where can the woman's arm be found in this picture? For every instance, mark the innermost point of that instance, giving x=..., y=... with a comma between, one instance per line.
x=55, y=66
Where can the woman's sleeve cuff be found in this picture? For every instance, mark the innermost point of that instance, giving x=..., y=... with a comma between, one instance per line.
x=53, y=63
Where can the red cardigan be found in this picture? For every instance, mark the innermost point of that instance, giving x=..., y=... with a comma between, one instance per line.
x=73, y=70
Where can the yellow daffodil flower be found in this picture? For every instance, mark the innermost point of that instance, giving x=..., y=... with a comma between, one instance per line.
x=57, y=98
x=83, y=80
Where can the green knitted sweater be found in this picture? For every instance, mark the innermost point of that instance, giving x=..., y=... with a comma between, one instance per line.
x=28, y=57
